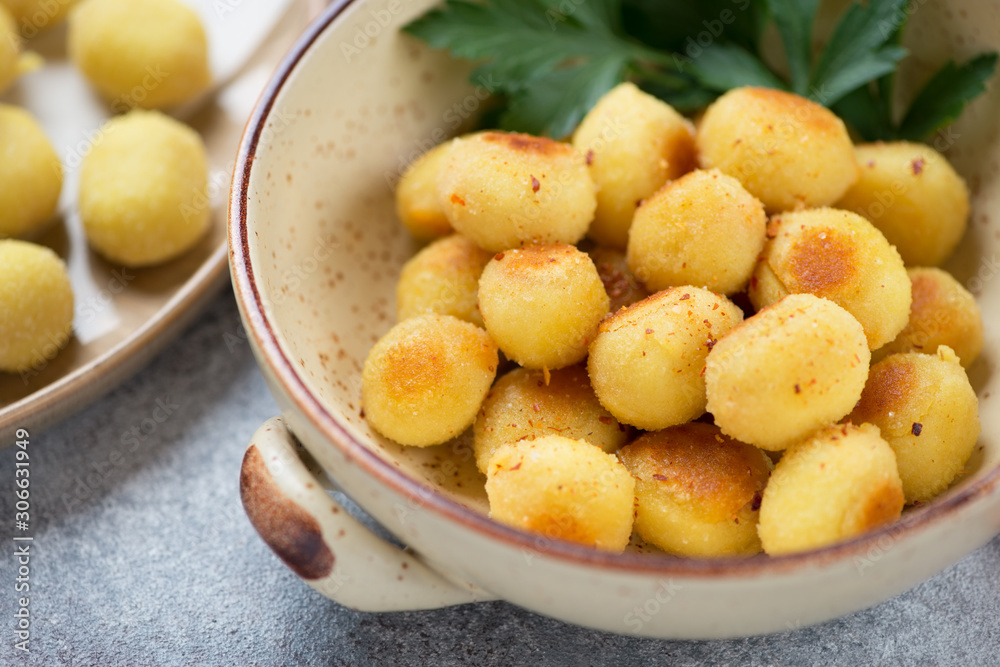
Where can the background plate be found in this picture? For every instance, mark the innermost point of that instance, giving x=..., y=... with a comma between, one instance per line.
x=125, y=316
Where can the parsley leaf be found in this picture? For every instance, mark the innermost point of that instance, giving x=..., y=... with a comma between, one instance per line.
x=553, y=66
x=795, y=19
x=859, y=50
x=943, y=98
x=552, y=60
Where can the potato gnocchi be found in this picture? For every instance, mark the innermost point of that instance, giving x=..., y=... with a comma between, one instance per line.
x=644, y=399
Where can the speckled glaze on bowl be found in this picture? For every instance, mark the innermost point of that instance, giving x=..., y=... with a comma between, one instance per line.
x=315, y=251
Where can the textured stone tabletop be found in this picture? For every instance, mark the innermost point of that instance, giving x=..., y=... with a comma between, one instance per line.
x=142, y=556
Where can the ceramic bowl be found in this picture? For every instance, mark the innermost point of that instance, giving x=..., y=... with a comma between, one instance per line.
x=315, y=252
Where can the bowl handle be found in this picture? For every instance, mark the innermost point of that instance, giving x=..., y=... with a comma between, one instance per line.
x=324, y=545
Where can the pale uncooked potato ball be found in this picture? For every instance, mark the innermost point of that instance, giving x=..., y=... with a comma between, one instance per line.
x=522, y=405
x=839, y=483
x=647, y=363
x=789, y=370
x=562, y=488
x=140, y=53
x=928, y=412
x=542, y=304
x=144, y=189
x=703, y=229
x=503, y=190
x=787, y=151
x=443, y=278
x=33, y=16
x=417, y=203
x=697, y=491
x=839, y=256
x=10, y=50
x=914, y=196
x=620, y=283
x=942, y=313
x=36, y=305
x=30, y=173
x=424, y=381
x=633, y=143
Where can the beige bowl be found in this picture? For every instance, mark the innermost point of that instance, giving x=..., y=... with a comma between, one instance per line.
x=315, y=253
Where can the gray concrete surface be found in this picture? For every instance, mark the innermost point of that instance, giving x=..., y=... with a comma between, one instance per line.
x=144, y=557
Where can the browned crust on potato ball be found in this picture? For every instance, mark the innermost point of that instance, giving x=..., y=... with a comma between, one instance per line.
x=700, y=465
x=527, y=143
x=888, y=390
x=821, y=262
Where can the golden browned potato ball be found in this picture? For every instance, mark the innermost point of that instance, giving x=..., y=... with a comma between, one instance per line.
x=522, y=405
x=542, y=304
x=914, y=196
x=502, y=190
x=633, y=143
x=703, y=229
x=443, y=278
x=839, y=483
x=787, y=151
x=839, y=256
x=36, y=305
x=564, y=489
x=140, y=53
x=789, y=370
x=30, y=173
x=417, y=203
x=697, y=491
x=928, y=412
x=620, y=283
x=647, y=362
x=143, y=189
x=423, y=382
x=942, y=313
x=33, y=16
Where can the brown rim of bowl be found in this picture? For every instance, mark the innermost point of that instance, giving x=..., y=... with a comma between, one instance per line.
x=249, y=298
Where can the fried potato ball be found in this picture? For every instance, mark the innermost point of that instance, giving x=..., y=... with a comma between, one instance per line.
x=928, y=412
x=914, y=196
x=620, y=283
x=523, y=406
x=647, y=360
x=417, y=203
x=30, y=173
x=443, y=278
x=36, y=305
x=942, y=313
x=150, y=54
x=787, y=151
x=502, y=190
x=32, y=16
x=633, y=143
x=563, y=489
x=542, y=304
x=839, y=256
x=839, y=483
x=143, y=189
x=791, y=369
x=423, y=382
x=697, y=491
x=703, y=229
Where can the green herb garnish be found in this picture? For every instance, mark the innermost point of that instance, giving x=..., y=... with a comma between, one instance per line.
x=551, y=60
